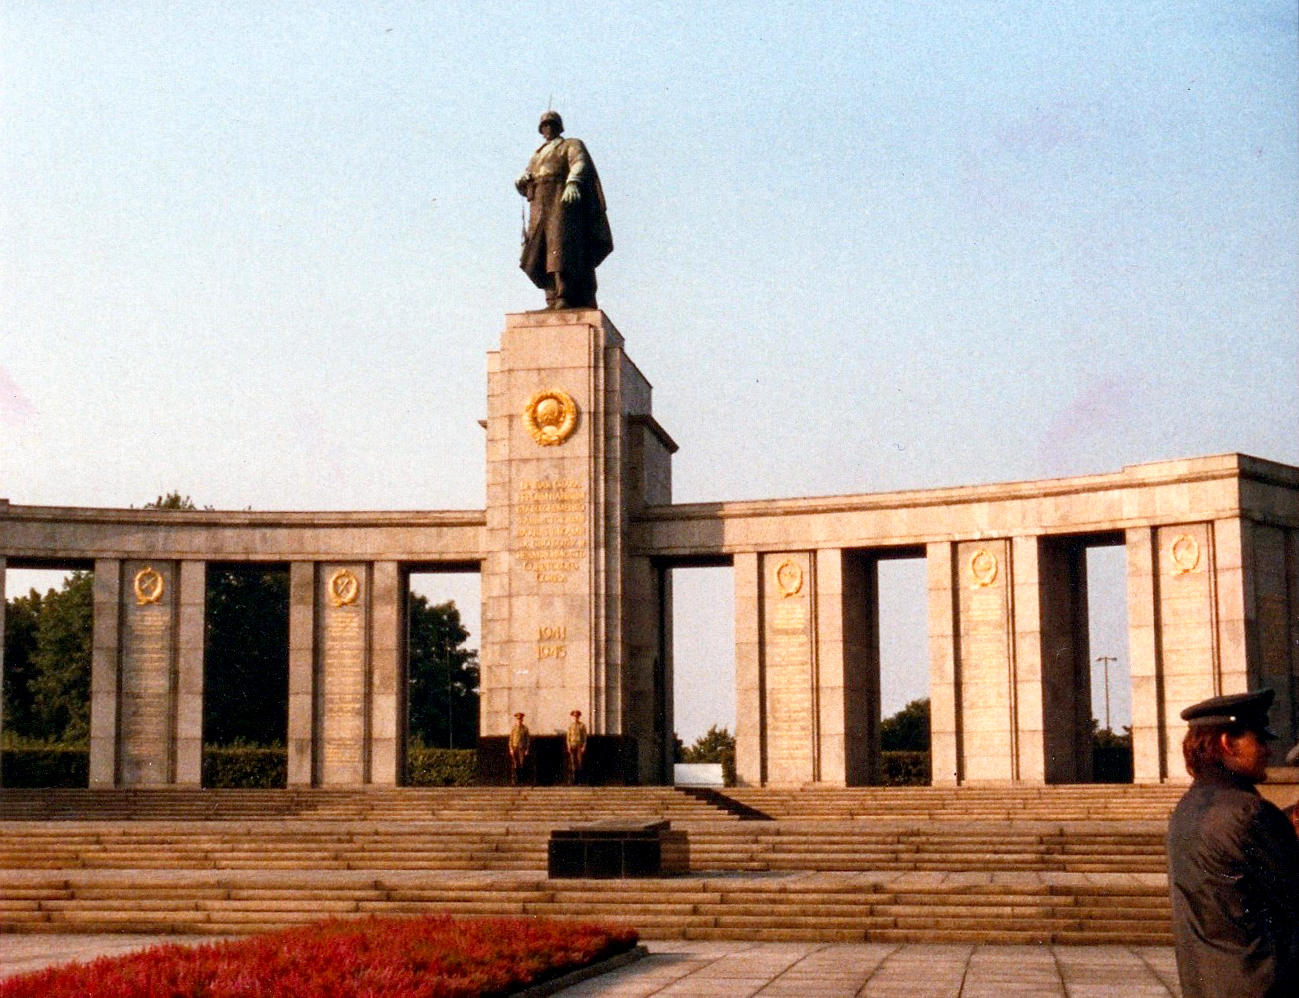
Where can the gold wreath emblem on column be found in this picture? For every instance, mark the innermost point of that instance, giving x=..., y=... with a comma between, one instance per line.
x=983, y=568
x=1186, y=554
x=789, y=577
x=149, y=585
x=344, y=587
x=550, y=416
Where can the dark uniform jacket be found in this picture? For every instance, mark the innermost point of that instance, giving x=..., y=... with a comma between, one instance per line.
x=1233, y=876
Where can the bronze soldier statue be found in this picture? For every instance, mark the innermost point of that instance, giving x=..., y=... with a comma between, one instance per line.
x=568, y=231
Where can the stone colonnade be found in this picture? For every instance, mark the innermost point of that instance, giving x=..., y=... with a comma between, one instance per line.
x=574, y=549
x=1212, y=554
x=346, y=712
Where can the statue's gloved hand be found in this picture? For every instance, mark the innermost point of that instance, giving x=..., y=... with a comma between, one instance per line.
x=521, y=185
x=571, y=193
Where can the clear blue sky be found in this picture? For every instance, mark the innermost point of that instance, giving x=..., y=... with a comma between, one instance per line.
x=257, y=252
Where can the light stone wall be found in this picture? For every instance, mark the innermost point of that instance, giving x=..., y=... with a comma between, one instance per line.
x=148, y=674
x=1189, y=665
x=342, y=672
x=985, y=661
x=789, y=667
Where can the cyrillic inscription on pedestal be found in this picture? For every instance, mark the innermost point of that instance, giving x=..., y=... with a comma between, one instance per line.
x=147, y=680
x=549, y=528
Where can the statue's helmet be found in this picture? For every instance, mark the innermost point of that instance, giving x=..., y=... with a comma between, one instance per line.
x=554, y=118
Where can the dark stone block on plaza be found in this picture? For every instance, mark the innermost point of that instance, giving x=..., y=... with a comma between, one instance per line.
x=617, y=849
x=610, y=762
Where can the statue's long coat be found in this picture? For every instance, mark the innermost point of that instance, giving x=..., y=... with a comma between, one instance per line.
x=564, y=238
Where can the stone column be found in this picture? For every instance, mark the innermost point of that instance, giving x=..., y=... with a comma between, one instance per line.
x=1062, y=654
x=649, y=704
x=191, y=628
x=985, y=656
x=1188, y=628
x=750, y=748
x=1033, y=728
x=302, y=766
x=343, y=680
x=847, y=650
x=148, y=673
x=105, y=649
x=1268, y=614
x=388, y=683
x=1149, y=759
x=561, y=395
x=944, y=668
x=1234, y=588
x=789, y=667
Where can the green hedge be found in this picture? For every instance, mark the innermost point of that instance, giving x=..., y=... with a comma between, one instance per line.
x=249, y=766
x=905, y=769
x=38, y=764
x=440, y=767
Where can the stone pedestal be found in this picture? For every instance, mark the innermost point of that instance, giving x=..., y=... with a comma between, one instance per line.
x=572, y=453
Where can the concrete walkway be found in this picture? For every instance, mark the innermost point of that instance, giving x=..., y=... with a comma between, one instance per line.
x=686, y=969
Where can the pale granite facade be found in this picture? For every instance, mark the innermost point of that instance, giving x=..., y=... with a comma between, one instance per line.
x=574, y=548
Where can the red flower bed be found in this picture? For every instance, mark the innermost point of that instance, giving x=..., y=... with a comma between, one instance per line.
x=431, y=957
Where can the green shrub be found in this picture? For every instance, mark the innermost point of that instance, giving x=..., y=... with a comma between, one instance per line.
x=242, y=765
x=440, y=767
x=905, y=769
x=44, y=764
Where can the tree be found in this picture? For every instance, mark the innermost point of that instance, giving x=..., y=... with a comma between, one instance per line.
x=907, y=730
x=712, y=746
x=246, y=659
x=172, y=500
x=22, y=618
x=443, y=702
x=59, y=683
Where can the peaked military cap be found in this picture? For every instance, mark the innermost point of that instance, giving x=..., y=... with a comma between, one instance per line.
x=1246, y=710
x=554, y=118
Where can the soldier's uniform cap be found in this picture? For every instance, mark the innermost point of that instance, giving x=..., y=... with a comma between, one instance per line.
x=1245, y=710
x=552, y=116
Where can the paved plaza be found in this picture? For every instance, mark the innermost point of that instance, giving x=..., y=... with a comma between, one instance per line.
x=689, y=969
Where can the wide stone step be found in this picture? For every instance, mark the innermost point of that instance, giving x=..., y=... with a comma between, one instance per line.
x=813, y=906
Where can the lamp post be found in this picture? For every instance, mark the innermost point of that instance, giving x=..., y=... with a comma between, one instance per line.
x=1105, y=660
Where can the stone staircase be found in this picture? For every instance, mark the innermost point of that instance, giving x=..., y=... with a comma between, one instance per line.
x=878, y=864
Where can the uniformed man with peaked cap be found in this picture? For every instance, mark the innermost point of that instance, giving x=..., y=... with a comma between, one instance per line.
x=1233, y=859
